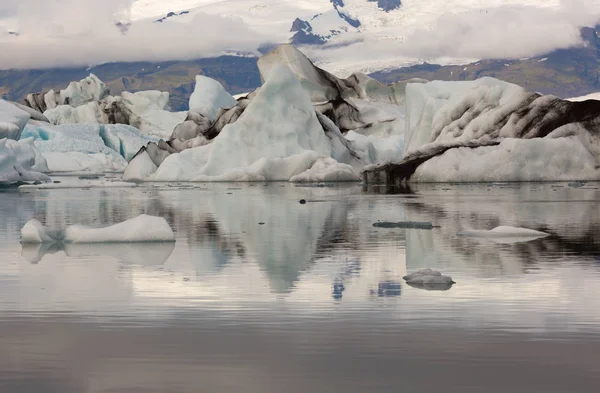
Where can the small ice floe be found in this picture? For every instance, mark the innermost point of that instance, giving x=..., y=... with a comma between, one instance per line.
x=506, y=234
x=577, y=184
x=143, y=228
x=404, y=225
x=430, y=280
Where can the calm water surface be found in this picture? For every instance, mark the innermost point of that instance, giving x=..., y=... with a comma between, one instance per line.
x=312, y=300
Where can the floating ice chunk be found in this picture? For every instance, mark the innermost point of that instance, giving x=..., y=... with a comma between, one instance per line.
x=143, y=228
x=429, y=279
x=12, y=120
x=209, y=95
x=404, y=225
x=35, y=233
x=505, y=231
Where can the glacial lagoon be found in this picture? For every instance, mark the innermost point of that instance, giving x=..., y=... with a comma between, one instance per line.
x=261, y=293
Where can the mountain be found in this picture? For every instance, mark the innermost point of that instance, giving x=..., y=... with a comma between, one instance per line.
x=237, y=74
x=565, y=72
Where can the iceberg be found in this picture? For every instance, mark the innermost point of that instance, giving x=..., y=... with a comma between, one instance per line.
x=12, y=120
x=89, y=102
x=208, y=97
x=277, y=137
x=489, y=130
x=143, y=228
x=505, y=232
x=93, y=148
x=90, y=89
x=21, y=161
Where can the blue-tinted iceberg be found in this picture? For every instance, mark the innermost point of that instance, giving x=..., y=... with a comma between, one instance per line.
x=86, y=147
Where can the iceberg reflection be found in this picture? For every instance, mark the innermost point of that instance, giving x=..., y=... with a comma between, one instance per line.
x=143, y=254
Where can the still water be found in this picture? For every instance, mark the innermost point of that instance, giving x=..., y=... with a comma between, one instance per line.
x=263, y=294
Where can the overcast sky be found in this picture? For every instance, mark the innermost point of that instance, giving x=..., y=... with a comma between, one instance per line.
x=82, y=32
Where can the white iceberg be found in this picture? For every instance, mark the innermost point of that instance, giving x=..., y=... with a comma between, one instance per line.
x=278, y=137
x=89, y=89
x=145, y=110
x=490, y=130
x=12, y=120
x=505, y=232
x=21, y=161
x=143, y=228
x=150, y=112
x=540, y=159
x=209, y=96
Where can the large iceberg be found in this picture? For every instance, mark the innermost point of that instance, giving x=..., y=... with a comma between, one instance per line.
x=21, y=161
x=489, y=130
x=278, y=137
x=303, y=124
x=142, y=228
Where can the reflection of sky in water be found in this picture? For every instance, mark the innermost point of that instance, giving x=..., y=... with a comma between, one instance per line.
x=322, y=259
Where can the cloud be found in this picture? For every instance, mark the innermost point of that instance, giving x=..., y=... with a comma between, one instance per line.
x=500, y=32
x=83, y=32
